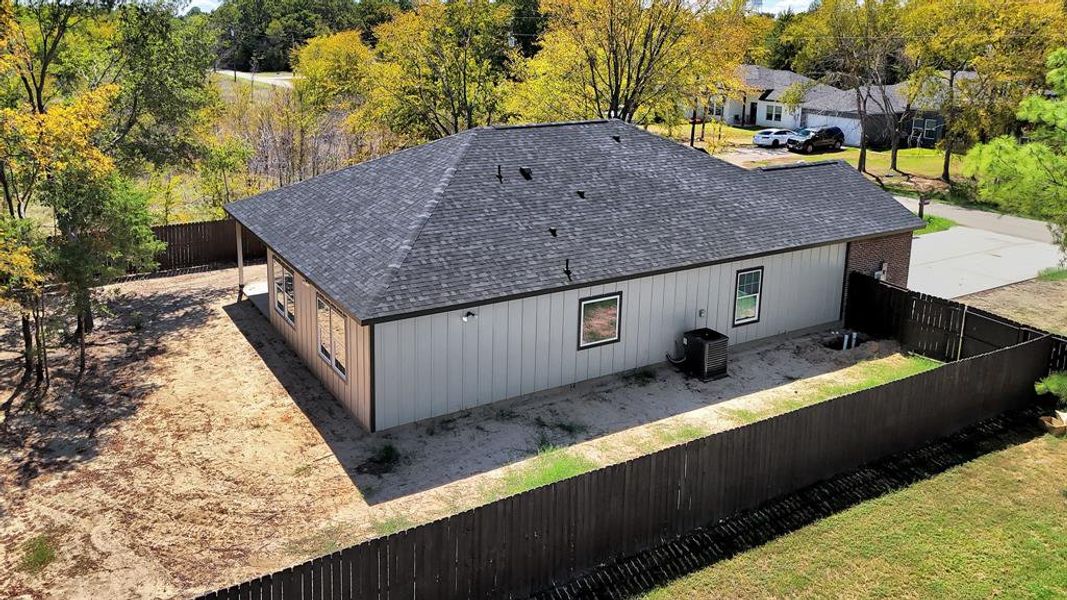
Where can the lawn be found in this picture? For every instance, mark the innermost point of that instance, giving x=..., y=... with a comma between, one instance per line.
x=992, y=527
x=921, y=162
x=935, y=224
x=996, y=526
x=716, y=135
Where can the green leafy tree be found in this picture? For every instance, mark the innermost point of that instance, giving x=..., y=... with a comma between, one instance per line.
x=223, y=174
x=977, y=59
x=1030, y=176
x=851, y=45
x=372, y=13
x=261, y=35
x=779, y=50
x=106, y=229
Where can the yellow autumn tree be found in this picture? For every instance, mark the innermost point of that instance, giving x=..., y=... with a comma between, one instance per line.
x=630, y=59
x=36, y=145
x=333, y=70
x=439, y=69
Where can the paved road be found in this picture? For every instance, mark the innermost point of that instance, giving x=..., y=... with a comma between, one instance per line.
x=964, y=260
x=281, y=79
x=989, y=221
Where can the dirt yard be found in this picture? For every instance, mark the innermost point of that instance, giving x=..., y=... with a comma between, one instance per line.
x=198, y=452
x=1039, y=303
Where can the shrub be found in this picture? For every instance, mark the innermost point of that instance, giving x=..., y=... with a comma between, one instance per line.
x=1055, y=384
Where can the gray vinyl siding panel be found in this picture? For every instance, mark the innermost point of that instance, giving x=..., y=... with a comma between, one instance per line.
x=437, y=364
x=353, y=391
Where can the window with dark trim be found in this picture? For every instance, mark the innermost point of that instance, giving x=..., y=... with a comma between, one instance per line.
x=748, y=294
x=284, y=291
x=331, y=334
x=598, y=320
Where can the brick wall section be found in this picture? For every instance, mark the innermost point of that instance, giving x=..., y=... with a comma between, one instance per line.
x=867, y=256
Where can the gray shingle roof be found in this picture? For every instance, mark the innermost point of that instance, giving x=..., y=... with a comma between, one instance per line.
x=765, y=78
x=434, y=227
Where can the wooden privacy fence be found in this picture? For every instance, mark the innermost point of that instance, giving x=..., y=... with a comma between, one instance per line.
x=530, y=541
x=935, y=327
x=204, y=243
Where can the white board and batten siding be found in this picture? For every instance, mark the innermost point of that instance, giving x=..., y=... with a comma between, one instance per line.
x=352, y=390
x=438, y=364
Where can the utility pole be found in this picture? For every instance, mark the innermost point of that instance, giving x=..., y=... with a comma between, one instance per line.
x=693, y=124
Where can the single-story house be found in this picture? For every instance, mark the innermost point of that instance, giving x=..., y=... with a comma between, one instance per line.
x=761, y=104
x=506, y=260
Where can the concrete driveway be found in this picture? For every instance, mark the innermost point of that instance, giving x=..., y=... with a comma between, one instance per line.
x=964, y=260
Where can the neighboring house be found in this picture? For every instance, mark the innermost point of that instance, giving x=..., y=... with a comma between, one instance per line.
x=827, y=106
x=760, y=103
x=502, y=261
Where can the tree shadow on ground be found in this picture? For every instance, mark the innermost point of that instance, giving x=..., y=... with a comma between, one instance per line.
x=439, y=451
x=749, y=529
x=49, y=431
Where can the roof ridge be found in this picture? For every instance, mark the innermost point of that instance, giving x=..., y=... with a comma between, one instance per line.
x=401, y=256
x=549, y=124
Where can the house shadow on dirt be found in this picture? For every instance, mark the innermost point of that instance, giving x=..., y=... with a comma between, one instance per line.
x=701, y=548
x=49, y=431
x=442, y=450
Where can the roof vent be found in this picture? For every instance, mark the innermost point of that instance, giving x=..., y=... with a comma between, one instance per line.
x=581, y=194
x=617, y=138
x=527, y=173
x=552, y=230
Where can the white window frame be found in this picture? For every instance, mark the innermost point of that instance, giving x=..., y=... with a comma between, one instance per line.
x=738, y=296
x=930, y=129
x=774, y=112
x=582, y=344
x=281, y=294
x=332, y=356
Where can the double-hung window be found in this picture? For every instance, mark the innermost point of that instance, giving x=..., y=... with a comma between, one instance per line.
x=774, y=112
x=284, y=291
x=598, y=320
x=747, y=296
x=331, y=334
x=930, y=131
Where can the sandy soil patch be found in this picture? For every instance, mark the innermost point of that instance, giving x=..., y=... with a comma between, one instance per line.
x=1039, y=303
x=199, y=451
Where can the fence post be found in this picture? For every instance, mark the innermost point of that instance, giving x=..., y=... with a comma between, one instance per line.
x=963, y=326
x=240, y=261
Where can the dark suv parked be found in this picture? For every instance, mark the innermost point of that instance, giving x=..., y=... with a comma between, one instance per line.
x=818, y=138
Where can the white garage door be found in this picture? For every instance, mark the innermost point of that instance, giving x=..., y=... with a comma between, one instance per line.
x=851, y=127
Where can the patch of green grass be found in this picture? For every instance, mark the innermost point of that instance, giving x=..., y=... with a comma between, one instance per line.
x=716, y=135
x=861, y=376
x=993, y=527
x=549, y=466
x=936, y=224
x=678, y=434
x=37, y=553
x=1053, y=274
x=391, y=525
x=921, y=162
